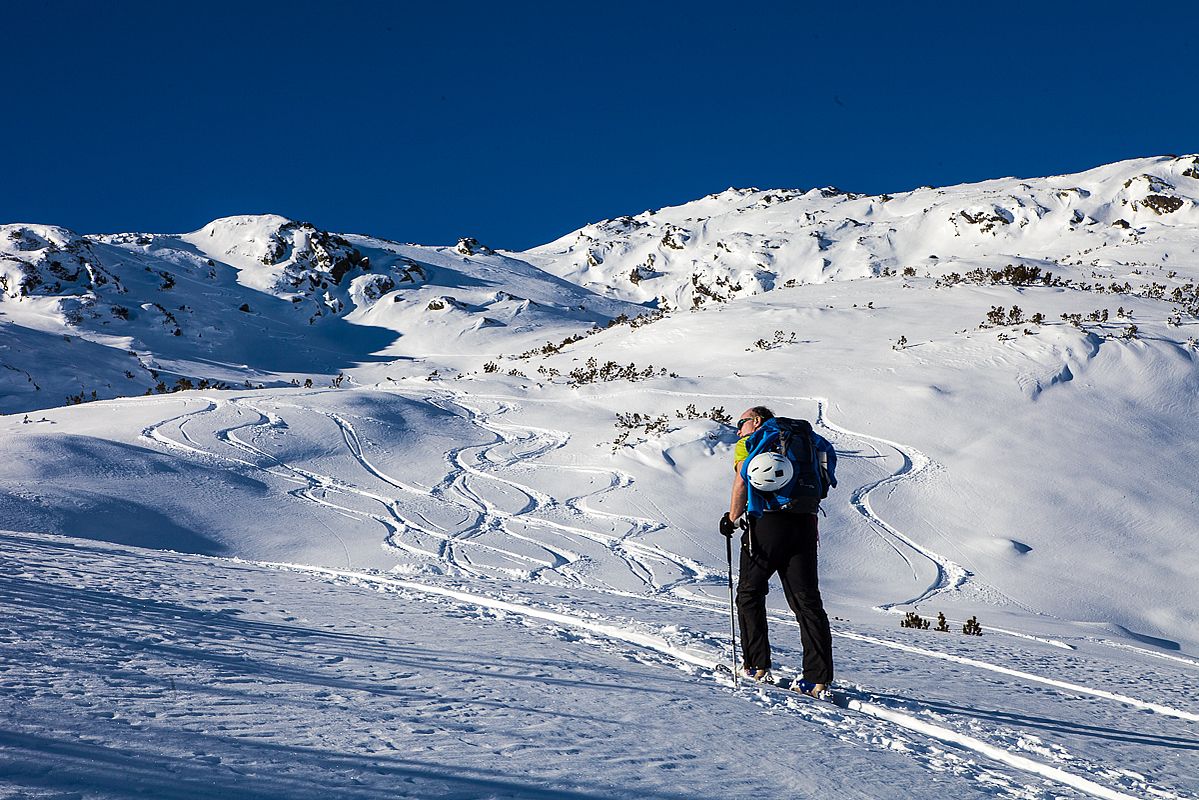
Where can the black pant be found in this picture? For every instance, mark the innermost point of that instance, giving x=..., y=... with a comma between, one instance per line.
x=784, y=543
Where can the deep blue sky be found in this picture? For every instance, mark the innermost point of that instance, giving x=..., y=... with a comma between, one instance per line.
x=517, y=122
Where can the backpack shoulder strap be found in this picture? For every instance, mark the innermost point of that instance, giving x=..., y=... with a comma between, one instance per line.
x=789, y=428
x=794, y=425
x=759, y=441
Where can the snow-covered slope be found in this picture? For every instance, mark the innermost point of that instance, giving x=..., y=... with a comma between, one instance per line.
x=134, y=674
x=746, y=241
x=504, y=579
x=257, y=299
x=270, y=300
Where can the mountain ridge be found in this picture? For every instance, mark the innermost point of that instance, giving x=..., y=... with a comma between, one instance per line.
x=159, y=311
x=745, y=241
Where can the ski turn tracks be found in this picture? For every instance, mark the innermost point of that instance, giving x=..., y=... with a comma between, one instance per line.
x=517, y=444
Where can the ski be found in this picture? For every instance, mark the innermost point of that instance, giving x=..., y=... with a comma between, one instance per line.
x=829, y=695
x=835, y=696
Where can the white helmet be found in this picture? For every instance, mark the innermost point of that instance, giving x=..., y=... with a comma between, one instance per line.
x=769, y=472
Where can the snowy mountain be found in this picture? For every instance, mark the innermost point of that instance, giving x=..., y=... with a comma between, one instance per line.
x=257, y=299
x=746, y=241
x=477, y=556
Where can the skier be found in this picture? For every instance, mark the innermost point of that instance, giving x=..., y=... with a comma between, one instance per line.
x=782, y=541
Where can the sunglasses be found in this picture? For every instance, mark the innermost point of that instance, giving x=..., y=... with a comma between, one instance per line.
x=741, y=422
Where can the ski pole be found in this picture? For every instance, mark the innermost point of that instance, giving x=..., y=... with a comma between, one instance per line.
x=728, y=540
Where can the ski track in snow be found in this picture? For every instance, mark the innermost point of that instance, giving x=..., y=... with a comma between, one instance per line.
x=455, y=546
x=1146, y=652
x=483, y=463
x=473, y=482
x=951, y=576
x=875, y=719
x=637, y=557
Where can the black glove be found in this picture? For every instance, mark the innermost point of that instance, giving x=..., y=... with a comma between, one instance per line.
x=726, y=526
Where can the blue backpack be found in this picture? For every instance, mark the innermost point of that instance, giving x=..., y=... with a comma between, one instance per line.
x=812, y=457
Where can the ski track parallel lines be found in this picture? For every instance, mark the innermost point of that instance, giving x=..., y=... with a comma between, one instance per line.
x=660, y=645
x=1027, y=676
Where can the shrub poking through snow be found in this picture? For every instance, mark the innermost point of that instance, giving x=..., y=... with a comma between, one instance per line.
x=998, y=316
x=78, y=399
x=592, y=372
x=914, y=620
x=626, y=424
x=942, y=623
x=780, y=339
x=1011, y=275
x=549, y=348
x=972, y=628
x=716, y=414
